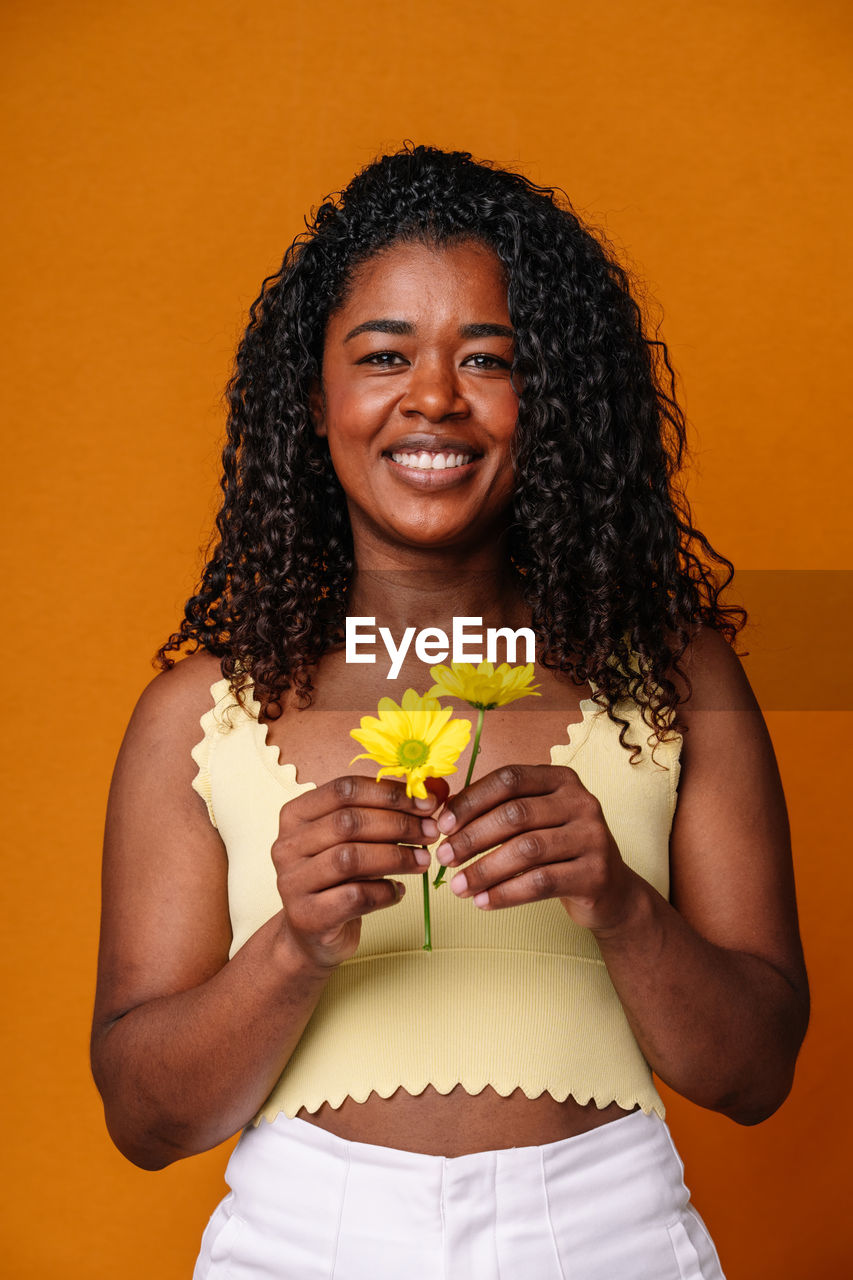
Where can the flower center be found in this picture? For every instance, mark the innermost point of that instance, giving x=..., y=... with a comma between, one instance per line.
x=412, y=753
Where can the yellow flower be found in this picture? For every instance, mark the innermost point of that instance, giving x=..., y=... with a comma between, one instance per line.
x=483, y=687
x=417, y=739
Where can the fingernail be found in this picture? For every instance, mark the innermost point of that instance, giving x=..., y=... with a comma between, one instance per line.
x=401, y=888
x=446, y=822
x=459, y=884
x=422, y=857
x=427, y=803
x=480, y=899
x=445, y=854
x=429, y=827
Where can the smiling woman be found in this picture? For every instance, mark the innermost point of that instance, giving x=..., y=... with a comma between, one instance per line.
x=433, y=410
x=446, y=408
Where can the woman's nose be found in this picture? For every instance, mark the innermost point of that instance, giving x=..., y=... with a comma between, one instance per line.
x=433, y=391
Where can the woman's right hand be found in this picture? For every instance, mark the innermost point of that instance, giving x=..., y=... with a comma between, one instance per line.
x=334, y=848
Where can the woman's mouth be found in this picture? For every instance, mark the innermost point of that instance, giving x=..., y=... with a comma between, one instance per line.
x=423, y=461
x=432, y=468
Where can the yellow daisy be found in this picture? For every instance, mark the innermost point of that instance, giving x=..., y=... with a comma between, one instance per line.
x=483, y=687
x=417, y=740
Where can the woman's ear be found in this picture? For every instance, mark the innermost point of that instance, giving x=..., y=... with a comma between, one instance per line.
x=317, y=406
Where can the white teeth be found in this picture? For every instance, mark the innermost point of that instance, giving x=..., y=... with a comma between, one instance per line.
x=431, y=461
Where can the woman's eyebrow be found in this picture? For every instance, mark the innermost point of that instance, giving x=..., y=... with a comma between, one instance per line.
x=486, y=331
x=400, y=328
x=404, y=329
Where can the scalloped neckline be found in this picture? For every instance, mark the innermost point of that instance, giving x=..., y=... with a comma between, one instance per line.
x=577, y=734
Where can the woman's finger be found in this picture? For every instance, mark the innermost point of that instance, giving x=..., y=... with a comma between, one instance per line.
x=506, y=783
x=500, y=825
x=354, y=861
x=319, y=917
x=354, y=791
x=346, y=825
x=529, y=808
x=543, y=855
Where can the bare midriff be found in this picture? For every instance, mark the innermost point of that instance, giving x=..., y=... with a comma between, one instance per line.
x=459, y=1123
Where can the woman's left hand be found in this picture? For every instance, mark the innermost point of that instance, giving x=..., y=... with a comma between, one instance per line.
x=554, y=843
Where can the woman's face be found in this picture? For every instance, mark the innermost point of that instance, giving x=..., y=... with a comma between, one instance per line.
x=417, y=404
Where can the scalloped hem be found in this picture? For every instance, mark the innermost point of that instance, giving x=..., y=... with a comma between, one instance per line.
x=211, y=724
x=628, y=1102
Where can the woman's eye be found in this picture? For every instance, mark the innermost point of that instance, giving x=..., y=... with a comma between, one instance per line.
x=482, y=360
x=382, y=358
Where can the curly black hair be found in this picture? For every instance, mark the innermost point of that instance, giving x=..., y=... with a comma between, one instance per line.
x=601, y=535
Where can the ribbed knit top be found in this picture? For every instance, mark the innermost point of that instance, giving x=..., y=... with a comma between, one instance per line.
x=513, y=998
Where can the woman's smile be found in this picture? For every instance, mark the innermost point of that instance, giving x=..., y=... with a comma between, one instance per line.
x=417, y=401
x=432, y=462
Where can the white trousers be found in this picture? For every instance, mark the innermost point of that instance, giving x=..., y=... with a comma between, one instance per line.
x=609, y=1204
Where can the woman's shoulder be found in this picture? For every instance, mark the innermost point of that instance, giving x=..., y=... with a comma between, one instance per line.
x=710, y=676
x=155, y=766
x=190, y=680
x=173, y=703
x=727, y=740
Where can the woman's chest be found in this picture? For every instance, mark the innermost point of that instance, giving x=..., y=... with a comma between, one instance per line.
x=317, y=740
x=318, y=743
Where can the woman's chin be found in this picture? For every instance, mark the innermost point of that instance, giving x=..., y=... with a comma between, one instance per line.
x=445, y=521
x=455, y=542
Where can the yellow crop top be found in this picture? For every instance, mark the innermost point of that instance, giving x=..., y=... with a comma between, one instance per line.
x=519, y=997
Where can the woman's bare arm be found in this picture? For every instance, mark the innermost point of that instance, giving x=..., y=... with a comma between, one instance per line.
x=715, y=984
x=185, y=1044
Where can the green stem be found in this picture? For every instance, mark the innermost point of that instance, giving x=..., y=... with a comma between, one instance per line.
x=427, y=924
x=481, y=715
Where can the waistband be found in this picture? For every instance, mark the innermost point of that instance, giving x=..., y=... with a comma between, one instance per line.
x=282, y=1140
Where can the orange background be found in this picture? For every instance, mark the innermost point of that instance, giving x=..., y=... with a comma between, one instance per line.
x=159, y=156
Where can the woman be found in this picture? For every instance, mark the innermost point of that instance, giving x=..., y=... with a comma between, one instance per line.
x=445, y=407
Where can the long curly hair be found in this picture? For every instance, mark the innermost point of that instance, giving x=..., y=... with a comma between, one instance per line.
x=615, y=574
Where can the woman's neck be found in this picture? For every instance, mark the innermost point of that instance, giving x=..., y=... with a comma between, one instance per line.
x=400, y=598
x=429, y=587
